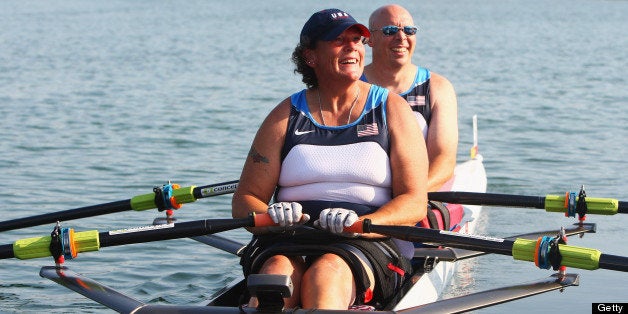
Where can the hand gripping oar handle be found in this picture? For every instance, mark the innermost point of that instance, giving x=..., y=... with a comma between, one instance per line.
x=520, y=249
x=358, y=227
x=86, y=241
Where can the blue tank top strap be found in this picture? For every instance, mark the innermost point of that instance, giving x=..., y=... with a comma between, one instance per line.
x=299, y=103
x=418, y=96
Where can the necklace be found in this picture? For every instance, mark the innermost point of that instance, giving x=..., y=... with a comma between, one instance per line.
x=320, y=105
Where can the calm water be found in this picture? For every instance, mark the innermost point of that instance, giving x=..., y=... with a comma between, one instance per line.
x=101, y=101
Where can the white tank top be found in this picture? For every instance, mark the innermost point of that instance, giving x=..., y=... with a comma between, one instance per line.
x=348, y=163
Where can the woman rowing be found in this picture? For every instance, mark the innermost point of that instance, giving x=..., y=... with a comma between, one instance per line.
x=339, y=151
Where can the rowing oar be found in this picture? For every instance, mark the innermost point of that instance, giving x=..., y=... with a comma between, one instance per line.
x=67, y=243
x=167, y=197
x=164, y=198
x=544, y=252
x=570, y=204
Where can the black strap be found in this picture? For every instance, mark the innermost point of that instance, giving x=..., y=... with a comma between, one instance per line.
x=444, y=212
x=581, y=205
x=56, y=248
x=159, y=199
x=555, y=258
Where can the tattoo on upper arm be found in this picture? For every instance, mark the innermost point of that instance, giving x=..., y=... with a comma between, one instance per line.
x=256, y=156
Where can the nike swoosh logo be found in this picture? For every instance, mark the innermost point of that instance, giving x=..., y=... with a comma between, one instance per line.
x=297, y=132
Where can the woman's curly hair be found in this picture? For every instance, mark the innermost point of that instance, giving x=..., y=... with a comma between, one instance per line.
x=298, y=57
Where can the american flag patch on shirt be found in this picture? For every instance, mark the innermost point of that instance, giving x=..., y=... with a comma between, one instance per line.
x=416, y=100
x=367, y=129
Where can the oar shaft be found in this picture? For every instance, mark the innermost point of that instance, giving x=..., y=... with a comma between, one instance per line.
x=83, y=212
x=520, y=249
x=551, y=203
x=463, y=241
x=488, y=199
x=172, y=231
x=614, y=262
x=6, y=251
x=92, y=240
x=215, y=189
x=138, y=203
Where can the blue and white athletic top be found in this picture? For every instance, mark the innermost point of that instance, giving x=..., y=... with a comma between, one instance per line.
x=347, y=163
x=345, y=166
x=418, y=97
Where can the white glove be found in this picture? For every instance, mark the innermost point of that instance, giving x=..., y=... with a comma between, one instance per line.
x=336, y=219
x=287, y=214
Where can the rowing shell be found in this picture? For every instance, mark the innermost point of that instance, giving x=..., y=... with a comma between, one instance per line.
x=469, y=176
x=433, y=270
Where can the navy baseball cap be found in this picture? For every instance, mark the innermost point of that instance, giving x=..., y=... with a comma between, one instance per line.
x=328, y=25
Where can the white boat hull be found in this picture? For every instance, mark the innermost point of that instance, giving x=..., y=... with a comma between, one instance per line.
x=469, y=176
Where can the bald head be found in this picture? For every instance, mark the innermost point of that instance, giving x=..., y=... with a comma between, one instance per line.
x=391, y=51
x=390, y=13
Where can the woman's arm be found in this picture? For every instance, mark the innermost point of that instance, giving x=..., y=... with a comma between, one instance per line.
x=409, y=167
x=260, y=173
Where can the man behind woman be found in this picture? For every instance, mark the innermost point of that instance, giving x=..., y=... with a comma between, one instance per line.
x=432, y=97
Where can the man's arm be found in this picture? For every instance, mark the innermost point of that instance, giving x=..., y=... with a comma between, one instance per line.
x=442, y=138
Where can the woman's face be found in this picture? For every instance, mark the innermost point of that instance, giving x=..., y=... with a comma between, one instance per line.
x=341, y=58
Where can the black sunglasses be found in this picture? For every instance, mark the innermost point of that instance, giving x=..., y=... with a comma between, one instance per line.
x=391, y=30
